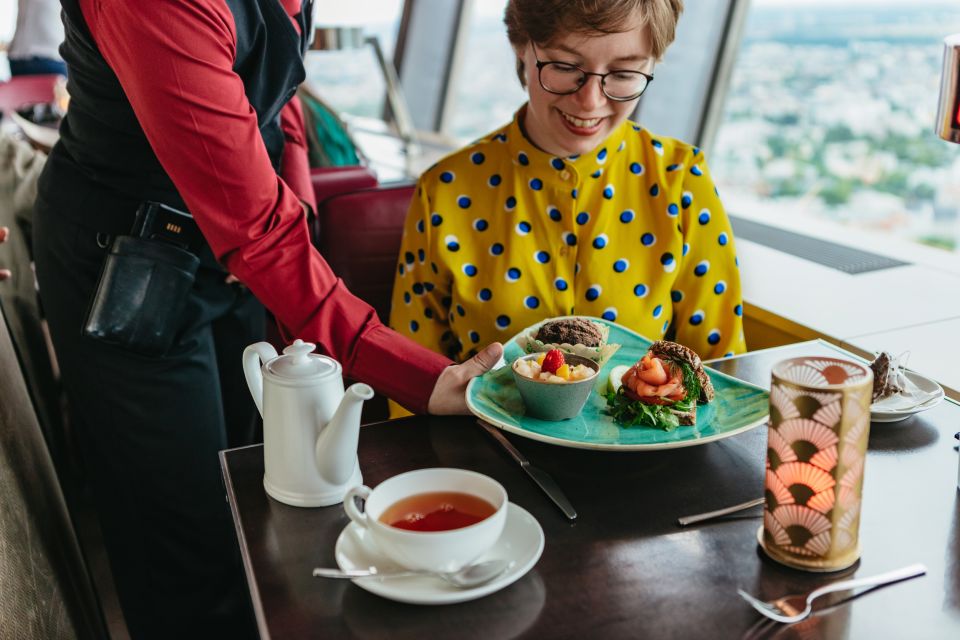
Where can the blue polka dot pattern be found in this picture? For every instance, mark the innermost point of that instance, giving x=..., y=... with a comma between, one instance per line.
x=420, y=226
x=400, y=268
x=701, y=269
x=655, y=190
x=647, y=239
x=636, y=168
x=503, y=321
x=557, y=164
x=608, y=192
x=452, y=243
x=477, y=158
x=542, y=257
x=408, y=257
x=523, y=228
x=496, y=249
x=523, y=159
x=602, y=156
x=695, y=170
x=461, y=311
x=480, y=224
x=554, y=214
x=463, y=202
x=697, y=317
x=407, y=298
x=422, y=255
x=713, y=337
x=531, y=302
x=447, y=177
x=723, y=239
x=641, y=290
x=560, y=284
x=583, y=217
x=672, y=210
x=627, y=216
x=597, y=173
x=657, y=146
x=484, y=295
x=686, y=249
x=657, y=310
x=673, y=167
x=414, y=326
x=513, y=274
x=668, y=261
x=600, y=241
x=704, y=217
x=536, y=184
x=610, y=314
x=676, y=295
x=574, y=194
x=510, y=204
x=495, y=180
x=686, y=199
x=436, y=220
x=474, y=337
x=470, y=270
x=593, y=292
x=621, y=265
x=569, y=239
x=417, y=288
x=720, y=287
x=738, y=310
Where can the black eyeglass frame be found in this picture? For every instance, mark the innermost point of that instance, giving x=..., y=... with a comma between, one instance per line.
x=585, y=76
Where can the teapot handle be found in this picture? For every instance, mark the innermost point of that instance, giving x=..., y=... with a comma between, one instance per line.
x=253, y=356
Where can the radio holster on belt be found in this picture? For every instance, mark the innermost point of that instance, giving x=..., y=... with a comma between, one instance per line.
x=145, y=281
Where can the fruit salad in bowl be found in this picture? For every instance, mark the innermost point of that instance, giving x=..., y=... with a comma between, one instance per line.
x=554, y=385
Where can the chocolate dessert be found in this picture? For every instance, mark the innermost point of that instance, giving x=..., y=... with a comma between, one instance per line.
x=885, y=381
x=570, y=331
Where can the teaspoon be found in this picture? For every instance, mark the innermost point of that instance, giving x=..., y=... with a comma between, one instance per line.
x=472, y=575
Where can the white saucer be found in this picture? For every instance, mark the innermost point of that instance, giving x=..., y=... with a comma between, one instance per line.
x=881, y=414
x=521, y=543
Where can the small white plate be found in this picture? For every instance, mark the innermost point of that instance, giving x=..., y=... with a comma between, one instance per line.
x=881, y=414
x=521, y=543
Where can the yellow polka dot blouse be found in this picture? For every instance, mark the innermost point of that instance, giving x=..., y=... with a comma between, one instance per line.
x=501, y=235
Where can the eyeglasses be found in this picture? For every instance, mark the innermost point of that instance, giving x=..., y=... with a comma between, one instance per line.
x=562, y=79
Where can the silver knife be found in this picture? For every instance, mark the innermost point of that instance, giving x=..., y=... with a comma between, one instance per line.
x=541, y=477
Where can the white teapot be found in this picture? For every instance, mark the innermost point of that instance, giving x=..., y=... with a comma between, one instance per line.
x=310, y=426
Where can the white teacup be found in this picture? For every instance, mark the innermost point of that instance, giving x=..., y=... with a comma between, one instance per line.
x=439, y=551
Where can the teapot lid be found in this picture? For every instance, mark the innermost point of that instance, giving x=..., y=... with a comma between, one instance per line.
x=299, y=361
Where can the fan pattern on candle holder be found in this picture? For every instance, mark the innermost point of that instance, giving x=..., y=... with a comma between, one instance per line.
x=815, y=458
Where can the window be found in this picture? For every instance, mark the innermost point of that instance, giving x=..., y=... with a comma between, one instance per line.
x=830, y=115
x=350, y=80
x=487, y=92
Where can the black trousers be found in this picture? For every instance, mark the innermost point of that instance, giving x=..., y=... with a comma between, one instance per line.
x=150, y=429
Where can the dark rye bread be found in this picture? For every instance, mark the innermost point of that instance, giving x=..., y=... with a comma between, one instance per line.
x=570, y=331
x=664, y=349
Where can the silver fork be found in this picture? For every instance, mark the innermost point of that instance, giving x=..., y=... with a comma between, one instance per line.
x=786, y=609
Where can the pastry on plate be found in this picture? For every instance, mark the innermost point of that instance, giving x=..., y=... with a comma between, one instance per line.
x=577, y=335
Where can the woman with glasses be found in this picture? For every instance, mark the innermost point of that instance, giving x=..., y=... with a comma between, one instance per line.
x=572, y=208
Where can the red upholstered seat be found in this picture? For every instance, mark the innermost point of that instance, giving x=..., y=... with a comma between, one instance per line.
x=330, y=181
x=359, y=235
x=20, y=91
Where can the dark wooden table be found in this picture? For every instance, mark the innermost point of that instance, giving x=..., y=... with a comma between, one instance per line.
x=625, y=569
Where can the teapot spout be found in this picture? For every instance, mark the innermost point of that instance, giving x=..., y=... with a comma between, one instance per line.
x=337, y=444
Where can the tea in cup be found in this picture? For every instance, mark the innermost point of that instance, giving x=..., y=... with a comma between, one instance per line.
x=432, y=519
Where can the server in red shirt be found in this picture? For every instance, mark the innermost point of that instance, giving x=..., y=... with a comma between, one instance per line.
x=188, y=103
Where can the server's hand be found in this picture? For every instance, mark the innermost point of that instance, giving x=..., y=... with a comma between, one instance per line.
x=449, y=394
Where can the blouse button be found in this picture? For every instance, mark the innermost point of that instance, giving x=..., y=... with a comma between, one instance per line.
x=565, y=175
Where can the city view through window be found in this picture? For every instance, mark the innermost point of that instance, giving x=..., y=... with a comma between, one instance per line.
x=830, y=115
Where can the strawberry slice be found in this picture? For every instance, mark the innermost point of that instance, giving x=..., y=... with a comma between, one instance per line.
x=552, y=361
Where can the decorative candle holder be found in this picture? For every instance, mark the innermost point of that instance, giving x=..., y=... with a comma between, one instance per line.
x=816, y=447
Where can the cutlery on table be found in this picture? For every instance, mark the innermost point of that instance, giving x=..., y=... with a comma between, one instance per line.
x=709, y=515
x=472, y=575
x=541, y=477
x=794, y=608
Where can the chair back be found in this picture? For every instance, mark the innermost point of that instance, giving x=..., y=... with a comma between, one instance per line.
x=359, y=235
x=330, y=181
x=46, y=587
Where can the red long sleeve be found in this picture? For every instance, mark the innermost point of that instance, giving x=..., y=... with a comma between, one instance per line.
x=175, y=60
x=295, y=164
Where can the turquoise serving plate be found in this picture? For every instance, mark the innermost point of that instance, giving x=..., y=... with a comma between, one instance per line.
x=738, y=407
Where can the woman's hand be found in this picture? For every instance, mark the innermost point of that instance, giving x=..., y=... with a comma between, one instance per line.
x=449, y=394
x=4, y=234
